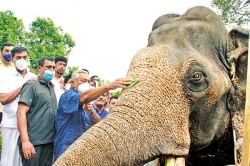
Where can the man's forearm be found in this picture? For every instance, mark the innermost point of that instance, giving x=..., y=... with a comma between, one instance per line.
x=92, y=94
x=95, y=118
x=22, y=126
x=7, y=98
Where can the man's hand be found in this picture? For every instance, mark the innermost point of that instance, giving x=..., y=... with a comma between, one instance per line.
x=95, y=118
x=30, y=79
x=28, y=150
x=119, y=83
x=88, y=107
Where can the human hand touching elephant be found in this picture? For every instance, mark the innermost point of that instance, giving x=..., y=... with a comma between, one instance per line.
x=119, y=83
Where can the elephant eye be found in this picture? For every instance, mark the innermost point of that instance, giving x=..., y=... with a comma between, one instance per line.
x=197, y=81
x=197, y=76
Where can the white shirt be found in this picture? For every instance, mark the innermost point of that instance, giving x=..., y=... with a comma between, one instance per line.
x=7, y=85
x=58, y=88
x=6, y=71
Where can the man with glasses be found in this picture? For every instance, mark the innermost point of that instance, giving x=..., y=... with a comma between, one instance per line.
x=36, y=116
x=10, y=88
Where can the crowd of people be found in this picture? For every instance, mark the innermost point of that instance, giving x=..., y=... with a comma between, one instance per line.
x=42, y=115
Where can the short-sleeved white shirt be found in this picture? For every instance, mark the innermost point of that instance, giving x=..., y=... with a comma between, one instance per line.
x=8, y=84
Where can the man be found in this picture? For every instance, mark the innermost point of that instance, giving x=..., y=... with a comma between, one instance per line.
x=10, y=88
x=61, y=64
x=6, y=58
x=94, y=81
x=108, y=96
x=112, y=102
x=36, y=117
x=6, y=65
x=99, y=105
x=72, y=118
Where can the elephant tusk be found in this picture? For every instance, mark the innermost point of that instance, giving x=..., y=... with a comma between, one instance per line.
x=172, y=161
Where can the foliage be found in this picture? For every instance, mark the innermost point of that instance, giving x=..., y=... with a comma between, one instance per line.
x=233, y=12
x=116, y=93
x=46, y=39
x=11, y=29
x=103, y=82
x=71, y=70
x=133, y=82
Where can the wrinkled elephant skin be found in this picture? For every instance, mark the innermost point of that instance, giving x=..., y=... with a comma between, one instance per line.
x=180, y=104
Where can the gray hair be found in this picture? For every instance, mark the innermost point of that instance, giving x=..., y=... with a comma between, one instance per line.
x=76, y=74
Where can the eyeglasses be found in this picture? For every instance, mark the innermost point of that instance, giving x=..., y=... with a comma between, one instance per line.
x=50, y=67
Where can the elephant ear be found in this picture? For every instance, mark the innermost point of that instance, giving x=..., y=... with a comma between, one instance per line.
x=237, y=57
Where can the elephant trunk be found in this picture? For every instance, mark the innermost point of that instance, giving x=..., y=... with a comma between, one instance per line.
x=150, y=119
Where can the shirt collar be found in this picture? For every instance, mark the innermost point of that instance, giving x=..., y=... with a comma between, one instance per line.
x=44, y=82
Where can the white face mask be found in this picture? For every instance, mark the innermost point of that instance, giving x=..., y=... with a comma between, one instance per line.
x=67, y=86
x=21, y=64
x=83, y=87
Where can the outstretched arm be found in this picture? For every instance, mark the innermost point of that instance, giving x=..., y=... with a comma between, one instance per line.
x=91, y=94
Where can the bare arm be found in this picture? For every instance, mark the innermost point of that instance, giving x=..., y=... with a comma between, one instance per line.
x=91, y=94
x=6, y=98
x=27, y=147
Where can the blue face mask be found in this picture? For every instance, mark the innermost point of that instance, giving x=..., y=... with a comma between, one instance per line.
x=48, y=75
x=7, y=57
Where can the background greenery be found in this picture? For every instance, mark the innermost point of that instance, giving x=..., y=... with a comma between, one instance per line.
x=43, y=38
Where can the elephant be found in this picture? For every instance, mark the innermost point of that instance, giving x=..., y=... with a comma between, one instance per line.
x=189, y=101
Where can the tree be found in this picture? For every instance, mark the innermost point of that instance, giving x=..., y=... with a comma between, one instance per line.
x=46, y=39
x=71, y=70
x=11, y=29
x=233, y=12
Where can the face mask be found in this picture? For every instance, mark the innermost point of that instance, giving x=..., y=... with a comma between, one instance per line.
x=7, y=57
x=96, y=83
x=83, y=87
x=48, y=75
x=21, y=64
x=67, y=86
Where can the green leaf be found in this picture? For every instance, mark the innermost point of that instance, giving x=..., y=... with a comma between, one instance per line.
x=133, y=82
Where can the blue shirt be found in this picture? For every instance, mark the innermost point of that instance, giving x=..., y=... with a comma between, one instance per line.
x=102, y=114
x=72, y=121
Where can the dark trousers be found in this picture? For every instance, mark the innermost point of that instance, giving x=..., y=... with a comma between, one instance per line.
x=43, y=156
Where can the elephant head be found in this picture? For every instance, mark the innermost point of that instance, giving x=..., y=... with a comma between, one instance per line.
x=191, y=86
